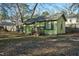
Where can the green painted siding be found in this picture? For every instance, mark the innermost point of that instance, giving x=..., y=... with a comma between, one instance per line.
x=61, y=25
x=37, y=24
x=24, y=28
x=28, y=29
x=51, y=31
x=55, y=27
x=40, y=26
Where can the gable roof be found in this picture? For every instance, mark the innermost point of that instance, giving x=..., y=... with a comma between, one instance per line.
x=43, y=18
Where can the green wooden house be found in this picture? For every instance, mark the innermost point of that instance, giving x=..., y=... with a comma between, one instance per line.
x=46, y=25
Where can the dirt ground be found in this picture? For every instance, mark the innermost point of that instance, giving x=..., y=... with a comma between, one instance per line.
x=21, y=45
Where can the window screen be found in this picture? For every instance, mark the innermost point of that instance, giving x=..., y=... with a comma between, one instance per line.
x=49, y=25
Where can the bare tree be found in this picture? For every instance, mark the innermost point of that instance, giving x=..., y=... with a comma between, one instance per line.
x=34, y=9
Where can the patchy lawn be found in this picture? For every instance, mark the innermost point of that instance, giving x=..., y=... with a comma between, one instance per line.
x=21, y=45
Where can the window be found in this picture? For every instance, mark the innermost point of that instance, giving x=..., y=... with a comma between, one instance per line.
x=49, y=25
x=52, y=26
x=61, y=26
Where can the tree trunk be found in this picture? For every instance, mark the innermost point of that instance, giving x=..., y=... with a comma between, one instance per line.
x=36, y=31
x=21, y=17
x=34, y=9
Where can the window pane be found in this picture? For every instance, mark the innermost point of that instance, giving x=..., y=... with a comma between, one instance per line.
x=48, y=25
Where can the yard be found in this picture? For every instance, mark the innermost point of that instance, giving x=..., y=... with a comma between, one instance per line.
x=17, y=44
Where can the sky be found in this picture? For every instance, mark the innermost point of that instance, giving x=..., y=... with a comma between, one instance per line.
x=50, y=7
